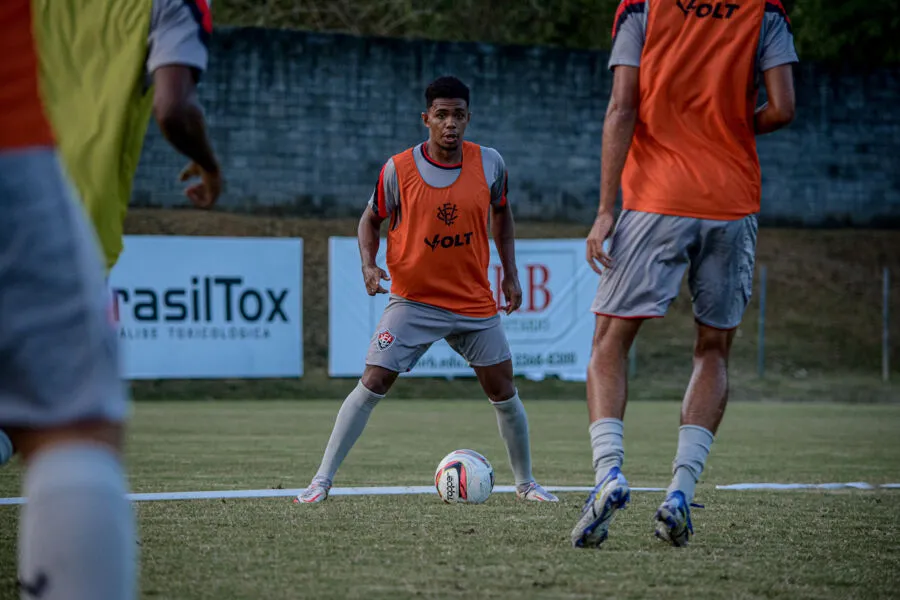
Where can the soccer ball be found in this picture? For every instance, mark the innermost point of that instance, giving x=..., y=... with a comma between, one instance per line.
x=464, y=477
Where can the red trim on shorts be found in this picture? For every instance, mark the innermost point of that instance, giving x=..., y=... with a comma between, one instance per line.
x=630, y=318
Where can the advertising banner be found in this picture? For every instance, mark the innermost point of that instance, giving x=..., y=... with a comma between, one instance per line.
x=205, y=307
x=549, y=335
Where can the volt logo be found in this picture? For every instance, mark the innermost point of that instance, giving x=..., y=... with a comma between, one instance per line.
x=449, y=241
x=718, y=10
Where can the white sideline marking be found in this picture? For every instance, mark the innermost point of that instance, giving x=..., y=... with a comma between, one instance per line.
x=415, y=490
x=857, y=485
x=338, y=491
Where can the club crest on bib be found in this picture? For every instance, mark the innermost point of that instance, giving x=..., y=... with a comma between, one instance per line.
x=448, y=213
x=383, y=340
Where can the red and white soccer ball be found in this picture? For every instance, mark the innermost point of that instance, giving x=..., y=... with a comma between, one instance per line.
x=464, y=477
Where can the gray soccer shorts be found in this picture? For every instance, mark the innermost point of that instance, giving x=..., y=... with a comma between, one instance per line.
x=59, y=359
x=650, y=253
x=407, y=329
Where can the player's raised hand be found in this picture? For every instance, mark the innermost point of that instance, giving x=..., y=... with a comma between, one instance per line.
x=603, y=226
x=373, y=275
x=205, y=193
x=512, y=291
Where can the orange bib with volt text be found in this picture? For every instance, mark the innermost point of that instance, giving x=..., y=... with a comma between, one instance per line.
x=438, y=251
x=694, y=147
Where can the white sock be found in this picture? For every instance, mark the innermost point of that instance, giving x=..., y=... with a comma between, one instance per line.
x=513, y=424
x=6, y=448
x=77, y=529
x=348, y=426
x=694, y=443
x=606, y=445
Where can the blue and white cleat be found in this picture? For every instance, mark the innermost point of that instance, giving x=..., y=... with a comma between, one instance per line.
x=600, y=508
x=673, y=520
x=534, y=492
x=316, y=492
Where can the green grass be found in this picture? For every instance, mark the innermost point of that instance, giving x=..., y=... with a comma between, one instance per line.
x=649, y=384
x=748, y=545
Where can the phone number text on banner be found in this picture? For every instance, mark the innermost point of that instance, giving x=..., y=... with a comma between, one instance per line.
x=549, y=335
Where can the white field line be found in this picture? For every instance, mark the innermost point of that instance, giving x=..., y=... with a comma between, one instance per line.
x=416, y=490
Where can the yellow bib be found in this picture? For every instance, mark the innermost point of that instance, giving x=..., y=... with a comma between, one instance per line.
x=92, y=73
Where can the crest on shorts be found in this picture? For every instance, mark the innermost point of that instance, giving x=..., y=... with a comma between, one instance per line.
x=384, y=339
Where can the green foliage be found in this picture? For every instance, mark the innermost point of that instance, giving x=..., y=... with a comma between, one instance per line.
x=863, y=32
x=569, y=23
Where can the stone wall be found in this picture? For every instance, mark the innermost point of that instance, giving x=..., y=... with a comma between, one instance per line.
x=303, y=123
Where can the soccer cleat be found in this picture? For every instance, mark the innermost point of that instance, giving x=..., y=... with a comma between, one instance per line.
x=673, y=520
x=535, y=493
x=610, y=495
x=316, y=492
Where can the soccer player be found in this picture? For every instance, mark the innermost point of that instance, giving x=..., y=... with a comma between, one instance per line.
x=438, y=197
x=108, y=87
x=61, y=398
x=152, y=66
x=679, y=138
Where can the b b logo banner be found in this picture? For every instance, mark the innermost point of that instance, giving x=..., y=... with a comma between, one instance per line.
x=549, y=335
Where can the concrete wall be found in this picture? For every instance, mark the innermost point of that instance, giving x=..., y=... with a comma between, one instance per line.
x=303, y=123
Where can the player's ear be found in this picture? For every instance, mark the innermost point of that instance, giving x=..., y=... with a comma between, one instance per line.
x=425, y=118
x=468, y=117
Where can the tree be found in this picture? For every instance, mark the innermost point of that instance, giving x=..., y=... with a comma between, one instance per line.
x=858, y=32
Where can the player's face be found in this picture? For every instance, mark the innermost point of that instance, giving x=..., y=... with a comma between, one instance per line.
x=446, y=120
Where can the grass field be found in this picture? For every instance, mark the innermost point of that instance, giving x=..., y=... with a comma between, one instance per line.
x=748, y=545
x=821, y=415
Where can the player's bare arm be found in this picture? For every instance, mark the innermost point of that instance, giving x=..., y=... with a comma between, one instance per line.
x=181, y=121
x=504, y=229
x=369, y=237
x=618, y=129
x=778, y=112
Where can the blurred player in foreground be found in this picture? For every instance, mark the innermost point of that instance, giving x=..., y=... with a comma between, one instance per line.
x=438, y=197
x=113, y=88
x=61, y=398
x=157, y=51
x=679, y=137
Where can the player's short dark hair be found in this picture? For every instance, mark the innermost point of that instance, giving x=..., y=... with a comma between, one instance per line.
x=447, y=87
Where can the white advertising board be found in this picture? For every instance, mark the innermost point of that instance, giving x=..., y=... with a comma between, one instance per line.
x=204, y=307
x=549, y=335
